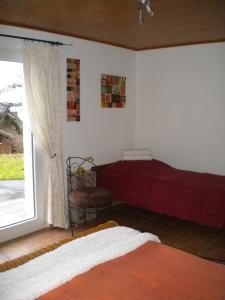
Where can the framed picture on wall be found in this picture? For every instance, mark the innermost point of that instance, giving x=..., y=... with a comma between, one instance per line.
x=73, y=89
x=113, y=91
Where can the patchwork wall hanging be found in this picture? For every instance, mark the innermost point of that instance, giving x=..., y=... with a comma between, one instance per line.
x=73, y=89
x=113, y=91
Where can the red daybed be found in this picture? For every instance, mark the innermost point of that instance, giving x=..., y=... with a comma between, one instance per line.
x=158, y=187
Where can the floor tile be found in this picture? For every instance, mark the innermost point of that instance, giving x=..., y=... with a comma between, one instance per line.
x=188, y=246
x=145, y=212
x=212, y=252
x=167, y=239
x=120, y=211
x=203, y=238
x=132, y=219
x=154, y=226
x=219, y=243
x=191, y=237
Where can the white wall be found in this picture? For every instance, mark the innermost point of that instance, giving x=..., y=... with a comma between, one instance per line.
x=102, y=133
x=180, y=106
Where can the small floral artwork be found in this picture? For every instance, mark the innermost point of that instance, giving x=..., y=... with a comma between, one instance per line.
x=113, y=91
x=73, y=89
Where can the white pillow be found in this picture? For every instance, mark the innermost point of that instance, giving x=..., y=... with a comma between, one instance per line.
x=136, y=154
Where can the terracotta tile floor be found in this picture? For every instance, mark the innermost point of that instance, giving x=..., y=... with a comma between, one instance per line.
x=197, y=239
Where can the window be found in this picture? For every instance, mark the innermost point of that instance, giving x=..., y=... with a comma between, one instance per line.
x=16, y=149
x=35, y=218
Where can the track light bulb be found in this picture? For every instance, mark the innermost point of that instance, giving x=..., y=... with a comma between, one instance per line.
x=140, y=17
x=148, y=8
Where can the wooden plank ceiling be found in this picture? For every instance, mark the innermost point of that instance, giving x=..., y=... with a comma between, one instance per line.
x=175, y=22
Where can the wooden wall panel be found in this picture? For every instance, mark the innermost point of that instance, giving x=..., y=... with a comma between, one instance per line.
x=115, y=22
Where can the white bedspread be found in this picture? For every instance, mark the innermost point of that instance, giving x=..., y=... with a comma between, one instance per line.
x=54, y=268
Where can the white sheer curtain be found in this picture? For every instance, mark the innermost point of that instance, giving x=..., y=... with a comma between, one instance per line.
x=41, y=76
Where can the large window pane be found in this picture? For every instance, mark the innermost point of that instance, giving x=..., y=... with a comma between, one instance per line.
x=16, y=157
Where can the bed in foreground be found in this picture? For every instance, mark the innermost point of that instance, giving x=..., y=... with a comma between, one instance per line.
x=113, y=263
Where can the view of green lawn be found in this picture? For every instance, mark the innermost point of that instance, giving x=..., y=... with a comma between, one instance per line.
x=11, y=166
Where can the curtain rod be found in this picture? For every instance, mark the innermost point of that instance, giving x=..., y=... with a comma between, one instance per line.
x=36, y=40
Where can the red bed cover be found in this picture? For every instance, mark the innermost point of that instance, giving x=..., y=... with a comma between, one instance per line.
x=151, y=272
x=156, y=186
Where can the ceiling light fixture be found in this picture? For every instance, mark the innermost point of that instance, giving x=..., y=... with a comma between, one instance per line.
x=145, y=5
x=140, y=17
